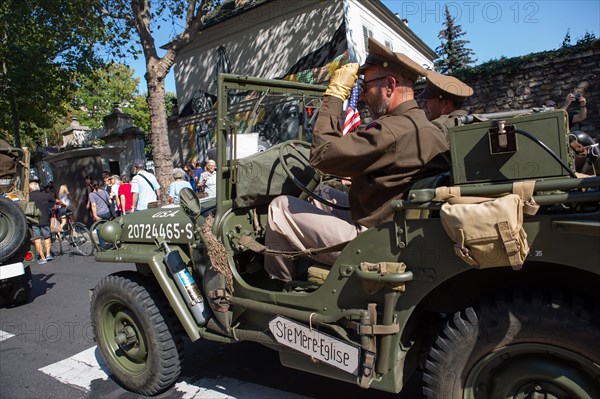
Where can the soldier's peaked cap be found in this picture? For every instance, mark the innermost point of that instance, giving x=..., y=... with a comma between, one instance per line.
x=383, y=57
x=445, y=87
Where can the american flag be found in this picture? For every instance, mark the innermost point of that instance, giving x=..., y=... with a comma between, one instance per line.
x=352, y=120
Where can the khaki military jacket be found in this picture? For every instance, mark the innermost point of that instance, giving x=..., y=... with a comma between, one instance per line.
x=383, y=160
x=444, y=122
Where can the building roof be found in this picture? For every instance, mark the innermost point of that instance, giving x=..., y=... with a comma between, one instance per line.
x=229, y=9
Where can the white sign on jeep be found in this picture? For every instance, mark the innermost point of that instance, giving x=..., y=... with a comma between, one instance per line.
x=316, y=344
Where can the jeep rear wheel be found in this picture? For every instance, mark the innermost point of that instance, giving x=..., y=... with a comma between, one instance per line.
x=529, y=345
x=13, y=228
x=138, y=336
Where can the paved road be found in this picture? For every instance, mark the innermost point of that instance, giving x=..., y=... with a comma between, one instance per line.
x=47, y=351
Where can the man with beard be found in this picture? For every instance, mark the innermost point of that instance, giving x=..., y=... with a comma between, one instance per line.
x=397, y=148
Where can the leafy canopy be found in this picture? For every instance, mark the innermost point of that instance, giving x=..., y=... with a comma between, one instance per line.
x=98, y=90
x=44, y=44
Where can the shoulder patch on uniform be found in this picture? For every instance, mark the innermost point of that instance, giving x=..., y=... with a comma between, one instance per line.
x=373, y=125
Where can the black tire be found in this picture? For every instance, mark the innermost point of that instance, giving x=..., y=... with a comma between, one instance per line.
x=127, y=306
x=55, y=245
x=13, y=228
x=18, y=289
x=81, y=239
x=519, y=345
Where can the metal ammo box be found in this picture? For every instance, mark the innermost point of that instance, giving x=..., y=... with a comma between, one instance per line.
x=498, y=150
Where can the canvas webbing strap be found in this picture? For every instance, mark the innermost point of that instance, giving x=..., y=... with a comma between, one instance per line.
x=524, y=189
x=253, y=245
x=370, y=353
x=379, y=329
x=511, y=244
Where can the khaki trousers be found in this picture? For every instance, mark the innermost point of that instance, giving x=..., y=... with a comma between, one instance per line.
x=295, y=224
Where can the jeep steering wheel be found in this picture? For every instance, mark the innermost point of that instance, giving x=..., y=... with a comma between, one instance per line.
x=307, y=190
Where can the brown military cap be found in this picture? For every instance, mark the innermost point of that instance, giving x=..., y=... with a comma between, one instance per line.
x=397, y=62
x=445, y=87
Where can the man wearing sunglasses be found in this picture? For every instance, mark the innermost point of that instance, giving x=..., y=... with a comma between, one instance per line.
x=399, y=147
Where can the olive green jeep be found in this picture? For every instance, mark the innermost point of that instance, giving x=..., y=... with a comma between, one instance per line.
x=16, y=213
x=486, y=281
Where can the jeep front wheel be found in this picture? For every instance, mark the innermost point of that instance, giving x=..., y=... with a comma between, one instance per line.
x=138, y=336
x=524, y=345
x=13, y=229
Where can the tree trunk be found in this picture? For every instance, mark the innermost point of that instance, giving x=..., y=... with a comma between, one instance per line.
x=161, y=150
x=14, y=111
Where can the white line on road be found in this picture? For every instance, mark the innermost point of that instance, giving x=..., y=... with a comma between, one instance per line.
x=4, y=335
x=83, y=368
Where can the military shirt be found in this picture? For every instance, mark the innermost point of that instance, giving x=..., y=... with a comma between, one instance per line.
x=383, y=160
x=444, y=122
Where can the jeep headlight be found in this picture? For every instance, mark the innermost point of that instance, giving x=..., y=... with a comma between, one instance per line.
x=111, y=231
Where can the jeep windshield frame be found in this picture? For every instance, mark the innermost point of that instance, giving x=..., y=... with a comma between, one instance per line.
x=227, y=128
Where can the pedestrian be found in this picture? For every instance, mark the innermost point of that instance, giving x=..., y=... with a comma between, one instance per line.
x=66, y=204
x=125, y=196
x=144, y=186
x=87, y=181
x=106, y=181
x=100, y=208
x=177, y=185
x=208, y=180
x=41, y=229
x=399, y=147
x=190, y=176
x=576, y=107
x=114, y=193
x=198, y=175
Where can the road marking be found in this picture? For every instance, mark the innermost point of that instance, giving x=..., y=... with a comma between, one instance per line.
x=4, y=335
x=79, y=370
x=83, y=368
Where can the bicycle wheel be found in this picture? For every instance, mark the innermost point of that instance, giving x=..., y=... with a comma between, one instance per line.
x=55, y=245
x=81, y=239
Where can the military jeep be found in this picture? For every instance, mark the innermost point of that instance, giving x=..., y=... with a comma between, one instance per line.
x=16, y=213
x=401, y=297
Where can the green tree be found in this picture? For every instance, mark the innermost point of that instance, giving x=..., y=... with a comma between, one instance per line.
x=97, y=91
x=131, y=26
x=453, y=51
x=567, y=40
x=44, y=44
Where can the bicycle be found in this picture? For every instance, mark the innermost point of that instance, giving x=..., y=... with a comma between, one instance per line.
x=75, y=235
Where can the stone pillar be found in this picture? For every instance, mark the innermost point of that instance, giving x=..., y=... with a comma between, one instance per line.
x=75, y=135
x=117, y=121
x=120, y=132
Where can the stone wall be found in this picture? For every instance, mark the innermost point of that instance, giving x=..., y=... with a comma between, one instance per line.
x=526, y=82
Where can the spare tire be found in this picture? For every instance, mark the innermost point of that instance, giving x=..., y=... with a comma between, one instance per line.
x=13, y=228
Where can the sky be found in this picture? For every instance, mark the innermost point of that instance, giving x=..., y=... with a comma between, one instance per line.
x=493, y=28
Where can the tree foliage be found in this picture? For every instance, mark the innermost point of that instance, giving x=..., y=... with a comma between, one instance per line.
x=453, y=51
x=44, y=44
x=99, y=90
x=131, y=24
